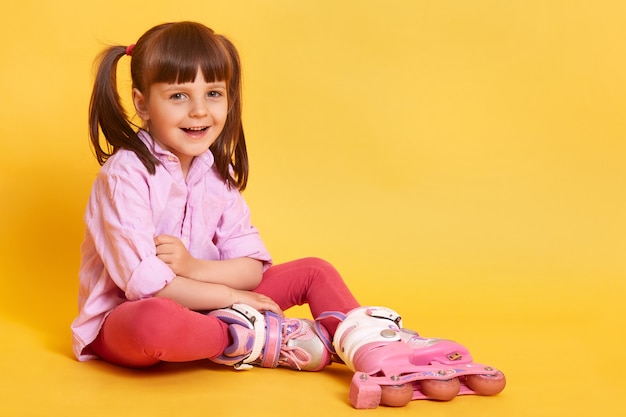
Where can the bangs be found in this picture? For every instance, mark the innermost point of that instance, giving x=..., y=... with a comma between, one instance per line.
x=176, y=54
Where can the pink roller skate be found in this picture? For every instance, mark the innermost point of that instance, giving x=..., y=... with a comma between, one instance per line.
x=394, y=366
x=268, y=340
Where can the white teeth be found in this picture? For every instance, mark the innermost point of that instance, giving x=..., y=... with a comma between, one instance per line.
x=196, y=128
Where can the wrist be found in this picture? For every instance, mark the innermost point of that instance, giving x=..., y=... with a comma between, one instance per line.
x=194, y=268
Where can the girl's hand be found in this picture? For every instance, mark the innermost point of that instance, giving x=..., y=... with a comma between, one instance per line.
x=173, y=252
x=258, y=301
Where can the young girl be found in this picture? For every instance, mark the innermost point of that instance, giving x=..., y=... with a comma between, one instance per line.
x=168, y=234
x=172, y=269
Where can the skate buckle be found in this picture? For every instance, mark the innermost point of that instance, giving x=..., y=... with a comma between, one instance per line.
x=385, y=313
x=456, y=356
x=257, y=322
x=241, y=366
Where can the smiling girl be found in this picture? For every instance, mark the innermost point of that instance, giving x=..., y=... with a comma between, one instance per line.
x=168, y=234
x=172, y=268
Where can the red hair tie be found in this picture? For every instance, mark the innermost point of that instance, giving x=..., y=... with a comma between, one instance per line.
x=129, y=49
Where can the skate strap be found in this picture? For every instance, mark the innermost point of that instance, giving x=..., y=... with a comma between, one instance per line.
x=318, y=328
x=257, y=322
x=273, y=340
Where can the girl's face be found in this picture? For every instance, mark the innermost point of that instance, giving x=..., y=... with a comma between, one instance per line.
x=186, y=118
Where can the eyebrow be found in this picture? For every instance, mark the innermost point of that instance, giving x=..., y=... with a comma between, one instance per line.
x=218, y=84
x=214, y=84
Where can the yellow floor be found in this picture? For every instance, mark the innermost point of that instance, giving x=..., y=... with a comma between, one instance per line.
x=567, y=364
x=462, y=162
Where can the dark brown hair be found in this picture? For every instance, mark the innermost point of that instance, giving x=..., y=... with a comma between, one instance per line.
x=170, y=53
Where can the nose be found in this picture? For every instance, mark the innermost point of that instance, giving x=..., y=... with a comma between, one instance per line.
x=199, y=108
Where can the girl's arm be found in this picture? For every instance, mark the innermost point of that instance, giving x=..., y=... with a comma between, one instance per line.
x=197, y=295
x=238, y=273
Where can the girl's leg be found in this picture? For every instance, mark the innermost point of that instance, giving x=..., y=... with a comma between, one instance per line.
x=309, y=280
x=145, y=332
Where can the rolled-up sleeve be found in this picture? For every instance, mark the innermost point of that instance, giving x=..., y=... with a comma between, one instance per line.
x=121, y=224
x=235, y=236
x=139, y=286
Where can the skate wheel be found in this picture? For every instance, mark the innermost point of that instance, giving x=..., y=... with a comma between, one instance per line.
x=440, y=390
x=486, y=384
x=396, y=395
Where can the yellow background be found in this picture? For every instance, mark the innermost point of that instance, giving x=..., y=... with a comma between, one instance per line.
x=459, y=161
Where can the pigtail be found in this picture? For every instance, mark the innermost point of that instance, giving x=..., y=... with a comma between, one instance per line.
x=230, y=149
x=107, y=114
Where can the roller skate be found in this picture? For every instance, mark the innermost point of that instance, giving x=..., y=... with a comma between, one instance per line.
x=268, y=341
x=393, y=365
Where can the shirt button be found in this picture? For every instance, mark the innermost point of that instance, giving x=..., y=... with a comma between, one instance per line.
x=171, y=158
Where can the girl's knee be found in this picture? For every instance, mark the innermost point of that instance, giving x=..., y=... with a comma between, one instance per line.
x=145, y=314
x=323, y=272
x=319, y=264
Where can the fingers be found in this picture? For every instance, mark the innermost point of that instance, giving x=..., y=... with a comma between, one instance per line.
x=166, y=244
x=261, y=302
x=278, y=311
x=164, y=239
x=267, y=304
x=164, y=249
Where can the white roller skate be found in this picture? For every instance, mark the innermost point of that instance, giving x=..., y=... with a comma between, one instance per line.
x=393, y=365
x=268, y=340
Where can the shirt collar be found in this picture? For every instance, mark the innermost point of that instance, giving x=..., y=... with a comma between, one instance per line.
x=164, y=156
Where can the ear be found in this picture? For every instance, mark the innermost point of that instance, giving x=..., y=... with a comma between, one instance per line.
x=141, y=105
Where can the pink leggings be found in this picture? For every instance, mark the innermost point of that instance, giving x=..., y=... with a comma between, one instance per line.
x=145, y=332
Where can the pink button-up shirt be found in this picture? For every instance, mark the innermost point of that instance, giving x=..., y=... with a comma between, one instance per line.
x=128, y=207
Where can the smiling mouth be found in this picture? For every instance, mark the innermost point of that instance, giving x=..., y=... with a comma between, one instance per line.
x=195, y=129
